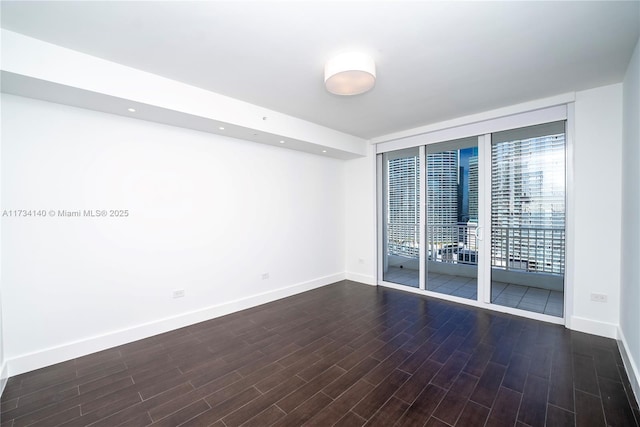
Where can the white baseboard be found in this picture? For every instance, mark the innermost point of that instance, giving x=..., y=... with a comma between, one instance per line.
x=361, y=278
x=630, y=365
x=4, y=375
x=589, y=326
x=64, y=352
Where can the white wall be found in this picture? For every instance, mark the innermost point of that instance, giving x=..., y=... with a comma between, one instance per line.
x=360, y=217
x=630, y=283
x=597, y=209
x=207, y=214
x=3, y=370
x=3, y=367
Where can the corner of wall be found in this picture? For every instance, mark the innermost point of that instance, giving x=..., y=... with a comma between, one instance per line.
x=597, y=112
x=630, y=365
x=361, y=278
x=3, y=364
x=3, y=376
x=594, y=327
x=629, y=330
x=360, y=208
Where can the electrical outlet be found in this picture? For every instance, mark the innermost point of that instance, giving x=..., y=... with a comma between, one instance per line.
x=598, y=297
x=265, y=276
x=178, y=293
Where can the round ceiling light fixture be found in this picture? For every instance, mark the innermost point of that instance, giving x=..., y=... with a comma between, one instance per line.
x=350, y=73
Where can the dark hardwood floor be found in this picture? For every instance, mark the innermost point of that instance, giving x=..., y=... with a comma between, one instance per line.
x=346, y=355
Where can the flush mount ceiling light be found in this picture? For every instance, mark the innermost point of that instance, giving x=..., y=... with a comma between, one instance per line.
x=350, y=73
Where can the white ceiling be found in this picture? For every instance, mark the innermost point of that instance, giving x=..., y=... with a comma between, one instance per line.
x=435, y=60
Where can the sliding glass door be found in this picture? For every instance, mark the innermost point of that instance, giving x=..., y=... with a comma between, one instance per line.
x=401, y=217
x=479, y=218
x=528, y=218
x=452, y=218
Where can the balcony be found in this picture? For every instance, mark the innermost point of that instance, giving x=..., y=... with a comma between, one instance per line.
x=527, y=264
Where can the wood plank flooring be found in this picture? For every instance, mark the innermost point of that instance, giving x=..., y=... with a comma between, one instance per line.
x=345, y=355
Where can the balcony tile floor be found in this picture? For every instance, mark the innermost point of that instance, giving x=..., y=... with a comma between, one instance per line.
x=506, y=294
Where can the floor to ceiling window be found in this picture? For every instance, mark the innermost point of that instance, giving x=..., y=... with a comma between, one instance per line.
x=452, y=218
x=480, y=218
x=528, y=218
x=401, y=180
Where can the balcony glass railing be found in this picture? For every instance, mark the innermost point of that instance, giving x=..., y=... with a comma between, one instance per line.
x=403, y=240
x=537, y=250
x=452, y=243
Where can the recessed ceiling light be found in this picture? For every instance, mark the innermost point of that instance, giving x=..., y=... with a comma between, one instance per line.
x=131, y=110
x=281, y=142
x=221, y=128
x=324, y=151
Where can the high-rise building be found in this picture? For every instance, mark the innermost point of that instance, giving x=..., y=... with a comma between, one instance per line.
x=473, y=187
x=528, y=204
x=442, y=205
x=463, y=190
x=527, y=209
x=403, y=204
x=442, y=188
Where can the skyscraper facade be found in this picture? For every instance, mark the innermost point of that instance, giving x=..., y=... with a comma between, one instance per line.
x=473, y=186
x=403, y=204
x=442, y=188
x=527, y=207
x=528, y=204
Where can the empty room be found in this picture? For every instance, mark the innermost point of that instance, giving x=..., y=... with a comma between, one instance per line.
x=349, y=213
